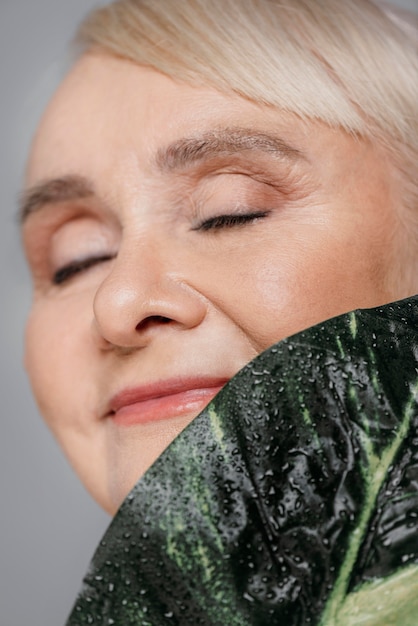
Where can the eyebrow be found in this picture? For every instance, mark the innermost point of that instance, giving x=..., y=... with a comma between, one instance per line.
x=176, y=156
x=223, y=142
x=54, y=191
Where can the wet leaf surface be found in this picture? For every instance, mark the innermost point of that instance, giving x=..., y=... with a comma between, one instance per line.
x=287, y=500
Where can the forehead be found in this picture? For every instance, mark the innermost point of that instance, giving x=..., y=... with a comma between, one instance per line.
x=106, y=106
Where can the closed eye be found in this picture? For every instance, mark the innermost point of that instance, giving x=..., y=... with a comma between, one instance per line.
x=75, y=267
x=229, y=221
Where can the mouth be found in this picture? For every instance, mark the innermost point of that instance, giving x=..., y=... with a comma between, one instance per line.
x=163, y=400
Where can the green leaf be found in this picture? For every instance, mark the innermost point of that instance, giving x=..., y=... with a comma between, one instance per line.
x=286, y=499
x=375, y=468
x=388, y=602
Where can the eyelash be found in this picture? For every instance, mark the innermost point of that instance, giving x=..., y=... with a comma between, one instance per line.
x=214, y=223
x=229, y=221
x=67, y=272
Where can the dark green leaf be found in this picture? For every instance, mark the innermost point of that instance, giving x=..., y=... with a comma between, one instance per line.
x=286, y=498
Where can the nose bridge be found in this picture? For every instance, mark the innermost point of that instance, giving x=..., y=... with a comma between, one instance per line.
x=131, y=285
x=143, y=292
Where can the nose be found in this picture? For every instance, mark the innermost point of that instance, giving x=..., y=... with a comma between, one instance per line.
x=141, y=297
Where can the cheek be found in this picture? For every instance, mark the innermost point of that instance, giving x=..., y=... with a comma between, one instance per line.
x=291, y=283
x=53, y=358
x=37, y=357
x=58, y=362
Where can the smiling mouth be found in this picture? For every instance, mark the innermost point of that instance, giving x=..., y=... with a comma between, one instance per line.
x=163, y=401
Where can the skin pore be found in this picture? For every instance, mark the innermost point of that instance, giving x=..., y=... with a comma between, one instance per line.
x=173, y=233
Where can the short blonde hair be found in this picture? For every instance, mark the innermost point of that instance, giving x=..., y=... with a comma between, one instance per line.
x=352, y=64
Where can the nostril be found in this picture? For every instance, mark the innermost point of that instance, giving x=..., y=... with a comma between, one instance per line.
x=152, y=320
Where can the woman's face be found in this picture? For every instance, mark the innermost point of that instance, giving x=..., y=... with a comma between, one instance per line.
x=173, y=233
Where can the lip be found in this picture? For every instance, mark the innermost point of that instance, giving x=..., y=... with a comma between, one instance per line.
x=163, y=400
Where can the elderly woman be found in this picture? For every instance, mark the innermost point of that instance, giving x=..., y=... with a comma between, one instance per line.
x=211, y=177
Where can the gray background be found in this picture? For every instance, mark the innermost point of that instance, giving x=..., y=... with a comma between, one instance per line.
x=49, y=526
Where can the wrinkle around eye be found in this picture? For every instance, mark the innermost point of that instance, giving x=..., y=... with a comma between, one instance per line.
x=59, y=233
